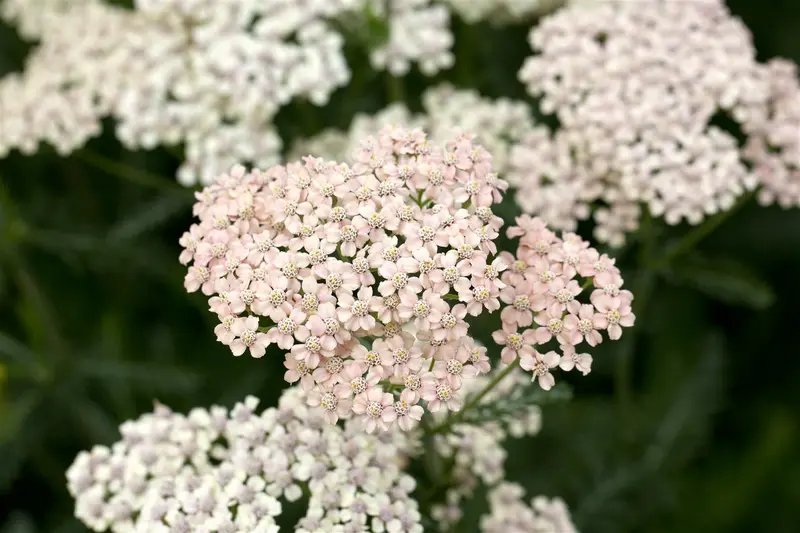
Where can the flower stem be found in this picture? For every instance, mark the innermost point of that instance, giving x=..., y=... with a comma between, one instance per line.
x=394, y=89
x=454, y=419
x=135, y=175
x=700, y=232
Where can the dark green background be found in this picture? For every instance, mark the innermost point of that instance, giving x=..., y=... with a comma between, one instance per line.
x=690, y=424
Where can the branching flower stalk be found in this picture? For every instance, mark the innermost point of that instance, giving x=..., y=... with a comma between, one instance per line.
x=474, y=400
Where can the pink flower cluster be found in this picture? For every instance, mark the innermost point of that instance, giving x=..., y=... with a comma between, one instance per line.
x=543, y=289
x=362, y=273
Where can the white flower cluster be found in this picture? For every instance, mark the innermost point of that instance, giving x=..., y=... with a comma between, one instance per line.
x=419, y=32
x=498, y=124
x=224, y=472
x=209, y=75
x=509, y=513
x=773, y=146
x=30, y=16
x=636, y=87
x=500, y=11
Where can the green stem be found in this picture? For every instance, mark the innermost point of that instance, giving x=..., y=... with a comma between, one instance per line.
x=454, y=419
x=134, y=175
x=641, y=287
x=465, y=38
x=395, y=91
x=700, y=232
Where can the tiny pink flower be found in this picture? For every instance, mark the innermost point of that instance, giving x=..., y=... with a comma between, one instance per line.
x=354, y=313
x=571, y=359
x=615, y=314
x=437, y=394
x=407, y=412
x=584, y=325
x=284, y=332
x=540, y=365
x=248, y=337
x=298, y=371
x=376, y=407
x=516, y=344
x=454, y=368
x=335, y=404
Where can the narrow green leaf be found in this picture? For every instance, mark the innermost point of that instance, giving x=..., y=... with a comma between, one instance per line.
x=723, y=279
x=517, y=401
x=155, y=376
x=150, y=216
x=11, y=350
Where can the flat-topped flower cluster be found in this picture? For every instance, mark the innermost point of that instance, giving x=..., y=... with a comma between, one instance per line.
x=221, y=471
x=365, y=274
x=544, y=284
x=639, y=89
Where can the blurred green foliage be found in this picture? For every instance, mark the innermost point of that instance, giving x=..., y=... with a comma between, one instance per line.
x=688, y=424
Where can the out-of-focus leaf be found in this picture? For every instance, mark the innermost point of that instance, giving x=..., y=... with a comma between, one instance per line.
x=517, y=401
x=691, y=404
x=14, y=414
x=13, y=456
x=723, y=279
x=18, y=523
x=149, y=216
x=11, y=350
x=154, y=376
x=94, y=421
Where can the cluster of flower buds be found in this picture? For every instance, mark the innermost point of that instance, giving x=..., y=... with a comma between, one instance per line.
x=543, y=288
x=221, y=472
x=363, y=274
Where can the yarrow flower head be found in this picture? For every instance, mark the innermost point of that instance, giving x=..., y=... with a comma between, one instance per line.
x=559, y=293
x=637, y=88
x=225, y=471
x=172, y=72
x=362, y=273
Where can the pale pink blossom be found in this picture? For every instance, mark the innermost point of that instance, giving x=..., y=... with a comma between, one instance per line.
x=335, y=404
x=354, y=313
x=407, y=411
x=298, y=371
x=272, y=298
x=571, y=359
x=584, y=326
x=615, y=314
x=376, y=408
x=515, y=344
x=454, y=368
x=284, y=332
x=438, y=394
x=539, y=365
x=223, y=330
x=248, y=337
